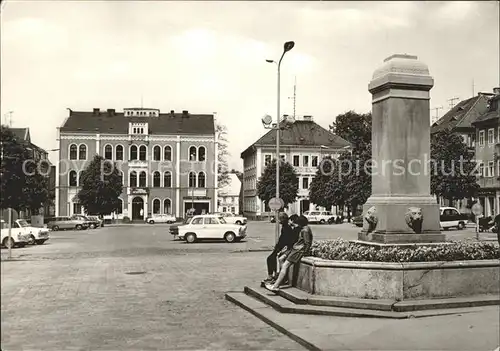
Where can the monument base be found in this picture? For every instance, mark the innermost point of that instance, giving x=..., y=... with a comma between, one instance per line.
x=402, y=238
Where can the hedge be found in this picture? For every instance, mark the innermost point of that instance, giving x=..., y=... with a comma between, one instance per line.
x=342, y=250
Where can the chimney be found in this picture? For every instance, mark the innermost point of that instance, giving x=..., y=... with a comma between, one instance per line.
x=97, y=111
x=496, y=90
x=185, y=113
x=308, y=118
x=111, y=111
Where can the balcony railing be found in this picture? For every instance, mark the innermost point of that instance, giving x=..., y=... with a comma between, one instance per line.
x=489, y=182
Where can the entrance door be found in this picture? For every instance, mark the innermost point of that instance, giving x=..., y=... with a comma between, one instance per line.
x=304, y=206
x=137, y=206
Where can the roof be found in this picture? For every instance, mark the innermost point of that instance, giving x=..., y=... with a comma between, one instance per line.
x=233, y=186
x=301, y=133
x=458, y=116
x=489, y=115
x=117, y=123
x=21, y=133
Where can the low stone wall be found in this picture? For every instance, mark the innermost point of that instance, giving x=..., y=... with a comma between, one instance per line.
x=398, y=281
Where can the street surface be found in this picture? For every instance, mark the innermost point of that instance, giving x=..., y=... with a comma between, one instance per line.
x=132, y=287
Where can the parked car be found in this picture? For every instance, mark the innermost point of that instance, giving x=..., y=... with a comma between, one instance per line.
x=99, y=221
x=232, y=218
x=357, y=221
x=91, y=223
x=35, y=235
x=18, y=238
x=210, y=227
x=320, y=217
x=161, y=218
x=58, y=223
x=450, y=217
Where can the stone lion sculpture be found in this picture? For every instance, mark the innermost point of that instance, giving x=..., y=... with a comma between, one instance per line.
x=414, y=219
x=371, y=218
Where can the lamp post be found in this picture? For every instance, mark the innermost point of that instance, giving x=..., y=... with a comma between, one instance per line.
x=286, y=47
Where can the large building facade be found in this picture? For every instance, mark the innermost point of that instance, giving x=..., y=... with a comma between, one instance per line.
x=167, y=160
x=229, y=195
x=303, y=145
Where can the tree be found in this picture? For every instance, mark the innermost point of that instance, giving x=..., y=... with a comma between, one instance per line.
x=101, y=187
x=289, y=183
x=12, y=176
x=222, y=155
x=452, y=171
x=36, y=190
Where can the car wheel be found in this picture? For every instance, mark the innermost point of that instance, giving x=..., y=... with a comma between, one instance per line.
x=331, y=221
x=229, y=237
x=151, y=222
x=170, y=222
x=31, y=240
x=92, y=226
x=190, y=238
x=78, y=227
x=322, y=221
x=9, y=243
x=55, y=228
x=40, y=242
x=461, y=225
x=238, y=222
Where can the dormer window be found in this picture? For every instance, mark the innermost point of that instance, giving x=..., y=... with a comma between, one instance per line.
x=138, y=128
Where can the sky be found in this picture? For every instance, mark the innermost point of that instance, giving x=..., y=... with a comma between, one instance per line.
x=208, y=57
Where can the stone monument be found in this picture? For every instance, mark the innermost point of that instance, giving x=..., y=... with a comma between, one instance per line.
x=401, y=208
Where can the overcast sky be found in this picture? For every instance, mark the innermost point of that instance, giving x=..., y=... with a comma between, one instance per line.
x=210, y=57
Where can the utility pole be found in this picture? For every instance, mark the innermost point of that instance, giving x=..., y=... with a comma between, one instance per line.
x=294, y=97
x=473, y=86
x=436, y=117
x=452, y=102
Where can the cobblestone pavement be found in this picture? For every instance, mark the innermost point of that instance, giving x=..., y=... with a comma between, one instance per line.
x=78, y=292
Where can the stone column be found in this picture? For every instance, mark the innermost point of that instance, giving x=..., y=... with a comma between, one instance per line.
x=401, y=208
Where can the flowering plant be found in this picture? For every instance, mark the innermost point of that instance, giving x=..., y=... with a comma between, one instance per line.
x=342, y=250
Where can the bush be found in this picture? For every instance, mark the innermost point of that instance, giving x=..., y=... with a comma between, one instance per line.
x=341, y=250
x=126, y=219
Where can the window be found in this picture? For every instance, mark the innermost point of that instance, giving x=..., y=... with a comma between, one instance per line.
x=198, y=220
x=305, y=183
x=156, y=206
x=201, y=180
x=233, y=210
x=491, y=168
x=82, y=152
x=133, y=152
x=108, y=152
x=77, y=208
x=119, y=153
x=192, y=179
x=211, y=220
x=498, y=135
x=72, y=178
x=283, y=157
x=202, y=153
x=481, y=169
x=296, y=160
x=305, y=161
x=119, y=210
x=142, y=179
x=498, y=168
x=133, y=179
x=156, y=153
x=121, y=178
x=481, y=138
x=156, y=179
x=167, y=179
x=73, y=150
x=167, y=153
x=143, y=150
x=80, y=178
x=167, y=206
x=224, y=209
x=267, y=159
x=491, y=136
x=192, y=153
x=314, y=161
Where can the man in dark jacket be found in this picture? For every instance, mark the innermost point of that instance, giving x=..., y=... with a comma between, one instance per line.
x=287, y=238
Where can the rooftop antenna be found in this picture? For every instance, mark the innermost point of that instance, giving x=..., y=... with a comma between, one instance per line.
x=452, y=101
x=436, y=117
x=294, y=97
x=9, y=118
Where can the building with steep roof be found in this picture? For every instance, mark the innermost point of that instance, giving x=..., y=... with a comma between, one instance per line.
x=487, y=152
x=167, y=160
x=303, y=145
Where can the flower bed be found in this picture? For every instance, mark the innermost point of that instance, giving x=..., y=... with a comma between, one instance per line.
x=342, y=250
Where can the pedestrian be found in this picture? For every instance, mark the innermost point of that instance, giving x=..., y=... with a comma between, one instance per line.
x=497, y=227
x=301, y=248
x=286, y=240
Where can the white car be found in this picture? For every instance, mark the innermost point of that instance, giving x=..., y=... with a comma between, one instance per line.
x=450, y=217
x=35, y=235
x=232, y=218
x=210, y=227
x=161, y=218
x=18, y=237
x=321, y=217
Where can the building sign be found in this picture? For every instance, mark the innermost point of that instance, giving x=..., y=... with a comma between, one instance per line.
x=196, y=198
x=139, y=191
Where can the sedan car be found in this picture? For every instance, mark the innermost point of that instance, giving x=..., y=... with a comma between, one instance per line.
x=17, y=236
x=35, y=235
x=210, y=227
x=99, y=222
x=161, y=218
x=232, y=218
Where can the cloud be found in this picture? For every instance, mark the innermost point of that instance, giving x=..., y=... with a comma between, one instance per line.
x=454, y=11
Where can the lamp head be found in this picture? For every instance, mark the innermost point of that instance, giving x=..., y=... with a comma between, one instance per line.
x=288, y=46
x=270, y=61
x=267, y=120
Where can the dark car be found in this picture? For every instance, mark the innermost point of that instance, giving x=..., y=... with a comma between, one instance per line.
x=357, y=221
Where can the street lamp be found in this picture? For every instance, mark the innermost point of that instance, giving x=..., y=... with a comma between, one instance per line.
x=286, y=47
